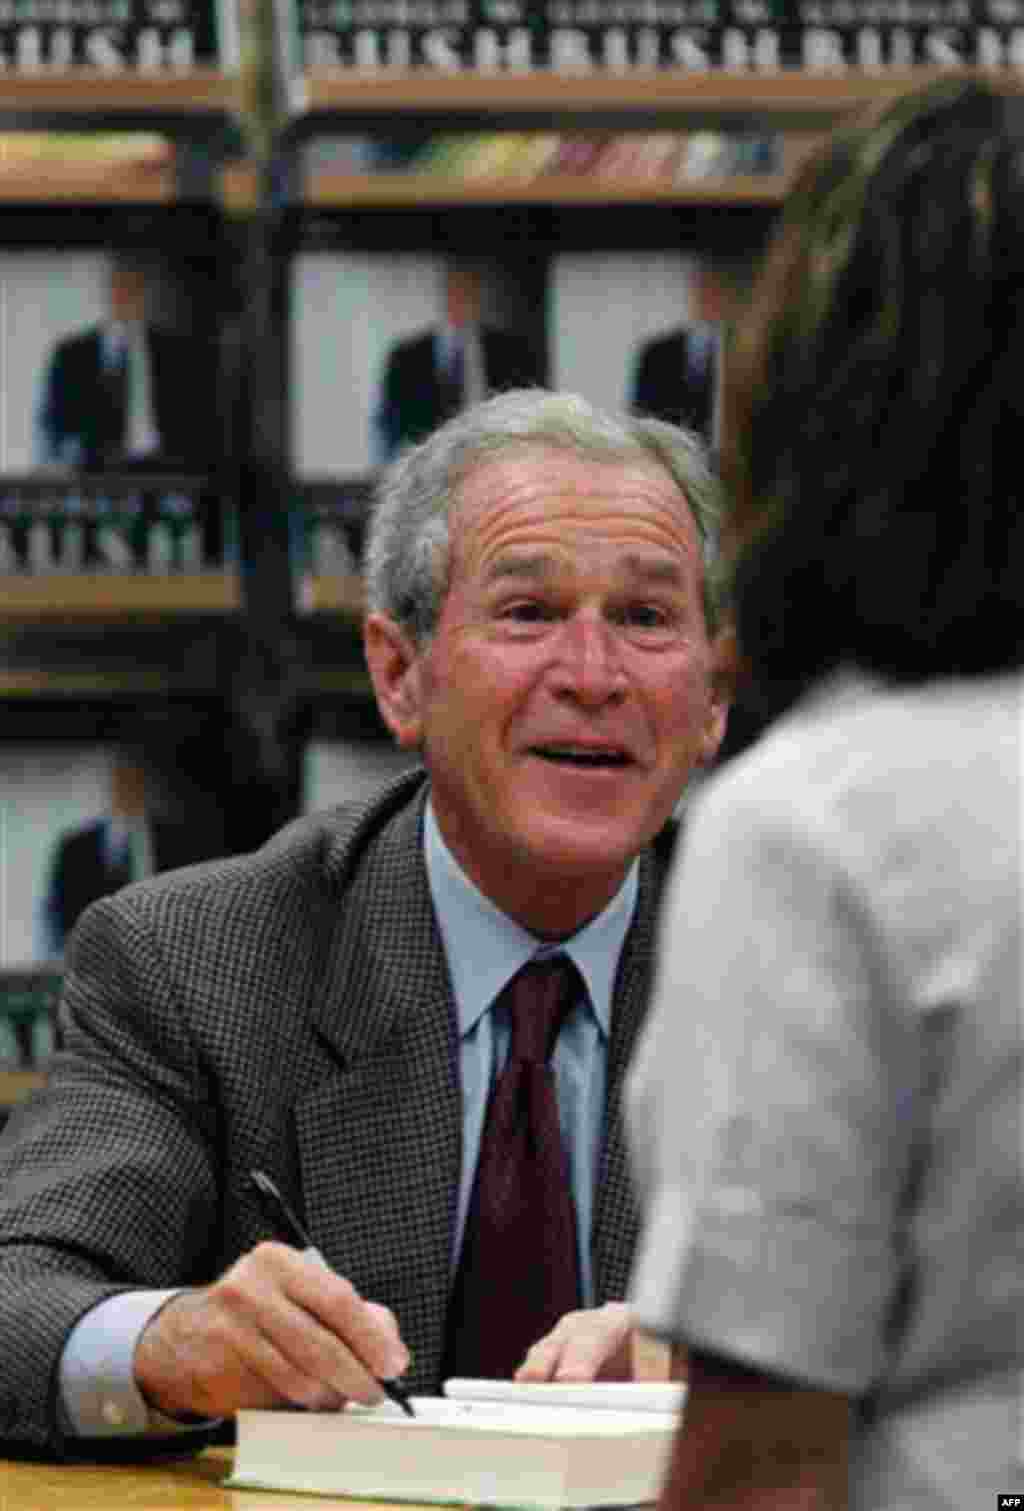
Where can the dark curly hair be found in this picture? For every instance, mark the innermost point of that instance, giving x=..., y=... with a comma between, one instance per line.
x=874, y=417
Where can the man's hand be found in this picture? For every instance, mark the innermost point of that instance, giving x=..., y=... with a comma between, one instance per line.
x=279, y=1328
x=589, y=1345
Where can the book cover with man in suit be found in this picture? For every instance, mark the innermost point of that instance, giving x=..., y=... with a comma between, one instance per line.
x=465, y=357
x=131, y=389
x=677, y=375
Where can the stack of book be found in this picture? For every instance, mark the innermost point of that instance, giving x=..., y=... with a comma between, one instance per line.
x=644, y=157
x=40, y=536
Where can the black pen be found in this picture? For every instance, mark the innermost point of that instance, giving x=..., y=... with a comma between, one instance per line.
x=284, y=1220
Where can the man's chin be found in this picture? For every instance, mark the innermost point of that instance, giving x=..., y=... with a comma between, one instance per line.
x=584, y=845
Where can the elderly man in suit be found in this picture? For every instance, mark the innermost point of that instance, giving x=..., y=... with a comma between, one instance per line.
x=134, y=839
x=350, y=1008
x=124, y=392
x=676, y=377
x=133, y=394
x=432, y=375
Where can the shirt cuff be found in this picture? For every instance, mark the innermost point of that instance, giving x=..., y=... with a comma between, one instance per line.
x=98, y=1394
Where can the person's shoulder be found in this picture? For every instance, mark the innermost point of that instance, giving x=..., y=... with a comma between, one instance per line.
x=857, y=733
x=326, y=844
x=298, y=872
x=82, y=836
x=337, y=839
x=79, y=345
x=663, y=344
x=420, y=344
x=863, y=763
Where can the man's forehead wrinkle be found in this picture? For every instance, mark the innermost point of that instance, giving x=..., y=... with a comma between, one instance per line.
x=656, y=568
x=534, y=565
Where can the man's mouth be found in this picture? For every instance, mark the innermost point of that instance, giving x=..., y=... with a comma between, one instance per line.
x=581, y=755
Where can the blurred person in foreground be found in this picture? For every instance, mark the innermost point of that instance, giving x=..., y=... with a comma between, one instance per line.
x=341, y=1009
x=826, y=1105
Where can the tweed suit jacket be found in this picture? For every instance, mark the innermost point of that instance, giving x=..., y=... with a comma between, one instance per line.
x=288, y=1010
x=81, y=870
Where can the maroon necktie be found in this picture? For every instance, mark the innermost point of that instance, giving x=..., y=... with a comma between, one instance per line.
x=519, y=1269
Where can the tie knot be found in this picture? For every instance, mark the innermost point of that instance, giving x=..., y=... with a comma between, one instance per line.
x=540, y=997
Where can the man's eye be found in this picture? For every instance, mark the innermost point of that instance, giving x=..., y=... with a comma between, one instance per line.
x=527, y=611
x=644, y=616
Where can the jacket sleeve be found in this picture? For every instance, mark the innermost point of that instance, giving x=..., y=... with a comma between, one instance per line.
x=107, y=1176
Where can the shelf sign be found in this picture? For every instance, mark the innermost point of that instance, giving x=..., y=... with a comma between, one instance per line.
x=115, y=36
x=756, y=36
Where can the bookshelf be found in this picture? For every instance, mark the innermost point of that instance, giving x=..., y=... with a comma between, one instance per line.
x=798, y=106
x=86, y=95
x=790, y=96
x=120, y=142
x=337, y=110
x=530, y=107
x=133, y=597
x=122, y=602
x=95, y=166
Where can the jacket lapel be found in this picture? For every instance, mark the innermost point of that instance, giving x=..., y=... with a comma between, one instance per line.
x=616, y=1215
x=379, y=1139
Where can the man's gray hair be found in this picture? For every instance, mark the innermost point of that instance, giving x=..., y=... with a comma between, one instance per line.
x=407, y=559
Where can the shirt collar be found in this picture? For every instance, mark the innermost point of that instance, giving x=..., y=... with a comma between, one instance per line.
x=118, y=336
x=485, y=948
x=448, y=339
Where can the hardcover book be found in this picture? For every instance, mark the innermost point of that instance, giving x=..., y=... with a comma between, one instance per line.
x=484, y=1443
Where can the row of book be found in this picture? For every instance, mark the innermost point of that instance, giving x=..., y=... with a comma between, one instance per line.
x=122, y=537
x=126, y=164
x=648, y=157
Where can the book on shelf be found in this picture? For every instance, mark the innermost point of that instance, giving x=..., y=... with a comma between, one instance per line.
x=483, y=1443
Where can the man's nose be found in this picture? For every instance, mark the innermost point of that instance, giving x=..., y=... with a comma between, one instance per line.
x=588, y=665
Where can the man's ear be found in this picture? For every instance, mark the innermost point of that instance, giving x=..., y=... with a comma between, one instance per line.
x=395, y=669
x=724, y=673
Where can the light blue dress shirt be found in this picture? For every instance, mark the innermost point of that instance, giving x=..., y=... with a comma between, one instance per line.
x=484, y=949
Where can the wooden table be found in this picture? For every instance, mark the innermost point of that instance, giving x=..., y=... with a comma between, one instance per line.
x=186, y=1484
x=196, y=1483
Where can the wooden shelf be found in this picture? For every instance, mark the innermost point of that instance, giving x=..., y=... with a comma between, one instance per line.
x=16, y=1085
x=47, y=179
x=239, y=188
x=331, y=595
x=326, y=189
x=89, y=89
x=94, y=682
x=798, y=92
x=100, y=596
